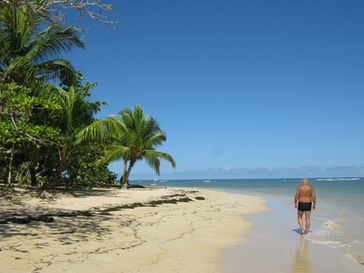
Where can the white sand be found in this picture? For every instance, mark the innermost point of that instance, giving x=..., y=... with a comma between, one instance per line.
x=183, y=237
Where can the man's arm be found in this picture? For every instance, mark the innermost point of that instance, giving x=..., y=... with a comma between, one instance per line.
x=296, y=198
x=313, y=198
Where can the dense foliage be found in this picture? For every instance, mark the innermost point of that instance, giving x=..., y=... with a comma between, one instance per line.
x=44, y=102
x=49, y=136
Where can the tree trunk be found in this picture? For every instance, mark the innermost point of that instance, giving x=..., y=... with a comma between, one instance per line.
x=126, y=173
x=33, y=177
x=56, y=177
x=125, y=167
x=11, y=166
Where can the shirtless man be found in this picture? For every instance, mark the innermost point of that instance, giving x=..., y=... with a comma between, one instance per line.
x=304, y=200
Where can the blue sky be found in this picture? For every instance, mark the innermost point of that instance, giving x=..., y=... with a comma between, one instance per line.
x=237, y=85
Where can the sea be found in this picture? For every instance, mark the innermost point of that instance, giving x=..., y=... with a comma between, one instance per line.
x=337, y=222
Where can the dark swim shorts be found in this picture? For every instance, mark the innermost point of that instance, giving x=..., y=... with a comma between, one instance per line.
x=304, y=206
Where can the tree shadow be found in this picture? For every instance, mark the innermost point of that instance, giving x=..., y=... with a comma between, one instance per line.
x=93, y=192
x=66, y=230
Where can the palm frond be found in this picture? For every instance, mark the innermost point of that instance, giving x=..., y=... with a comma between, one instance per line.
x=114, y=152
x=29, y=53
x=96, y=131
x=20, y=69
x=117, y=126
x=53, y=41
x=57, y=69
x=71, y=102
x=17, y=29
x=150, y=154
x=155, y=139
x=153, y=162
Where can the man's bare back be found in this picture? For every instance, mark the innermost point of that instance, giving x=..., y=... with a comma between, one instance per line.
x=305, y=193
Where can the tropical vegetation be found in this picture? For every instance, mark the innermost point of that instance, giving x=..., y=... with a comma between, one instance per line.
x=49, y=134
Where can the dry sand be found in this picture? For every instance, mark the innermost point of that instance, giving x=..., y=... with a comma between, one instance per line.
x=182, y=237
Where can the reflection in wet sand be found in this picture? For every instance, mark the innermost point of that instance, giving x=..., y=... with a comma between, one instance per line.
x=301, y=261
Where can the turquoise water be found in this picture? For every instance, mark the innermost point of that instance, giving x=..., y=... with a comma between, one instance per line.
x=337, y=222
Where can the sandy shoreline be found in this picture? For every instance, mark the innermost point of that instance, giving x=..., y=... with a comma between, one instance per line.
x=275, y=237
x=152, y=237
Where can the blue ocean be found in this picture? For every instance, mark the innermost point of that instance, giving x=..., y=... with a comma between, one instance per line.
x=338, y=221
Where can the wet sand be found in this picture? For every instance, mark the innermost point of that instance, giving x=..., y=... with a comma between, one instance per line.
x=274, y=245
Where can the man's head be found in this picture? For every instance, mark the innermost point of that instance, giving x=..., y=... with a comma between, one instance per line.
x=305, y=181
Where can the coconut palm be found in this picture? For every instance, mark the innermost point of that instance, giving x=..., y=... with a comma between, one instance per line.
x=71, y=103
x=30, y=49
x=131, y=136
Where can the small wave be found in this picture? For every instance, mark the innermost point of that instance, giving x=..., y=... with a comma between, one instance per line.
x=331, y=225
x=329, y=243
x=207, y=181
x=338, y=179
x=355, y=243
x=328, y=228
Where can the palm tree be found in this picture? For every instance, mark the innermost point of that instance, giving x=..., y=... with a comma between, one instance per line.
x=30, y=48
x=131, y=136
x=71, y=103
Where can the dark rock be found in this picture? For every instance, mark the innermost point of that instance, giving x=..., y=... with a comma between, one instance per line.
x=174, y=195
x=132, y=205
x=170, y=201
x=2, y=221
x=23, y=219
x=131, y=186
x=200, y=198
x=73, y=213
x=63, y=214
x=84, y=213
x=105, y=213
x=43, y=218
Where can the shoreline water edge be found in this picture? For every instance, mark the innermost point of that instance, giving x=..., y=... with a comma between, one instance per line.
x=276, y=239
x=139, y=230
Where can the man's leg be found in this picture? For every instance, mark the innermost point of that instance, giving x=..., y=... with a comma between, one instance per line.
x=300, y=220
x=308, y=220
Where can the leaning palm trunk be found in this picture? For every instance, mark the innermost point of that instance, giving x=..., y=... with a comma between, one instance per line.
x=125, y=178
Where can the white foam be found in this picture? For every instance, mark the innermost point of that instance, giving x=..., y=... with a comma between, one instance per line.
x=355, y=243
x=338, y=179
x=331, y=225
x=329, y=243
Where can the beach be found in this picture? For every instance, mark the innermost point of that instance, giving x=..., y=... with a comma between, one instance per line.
x=174, y=229
x=138, y=230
